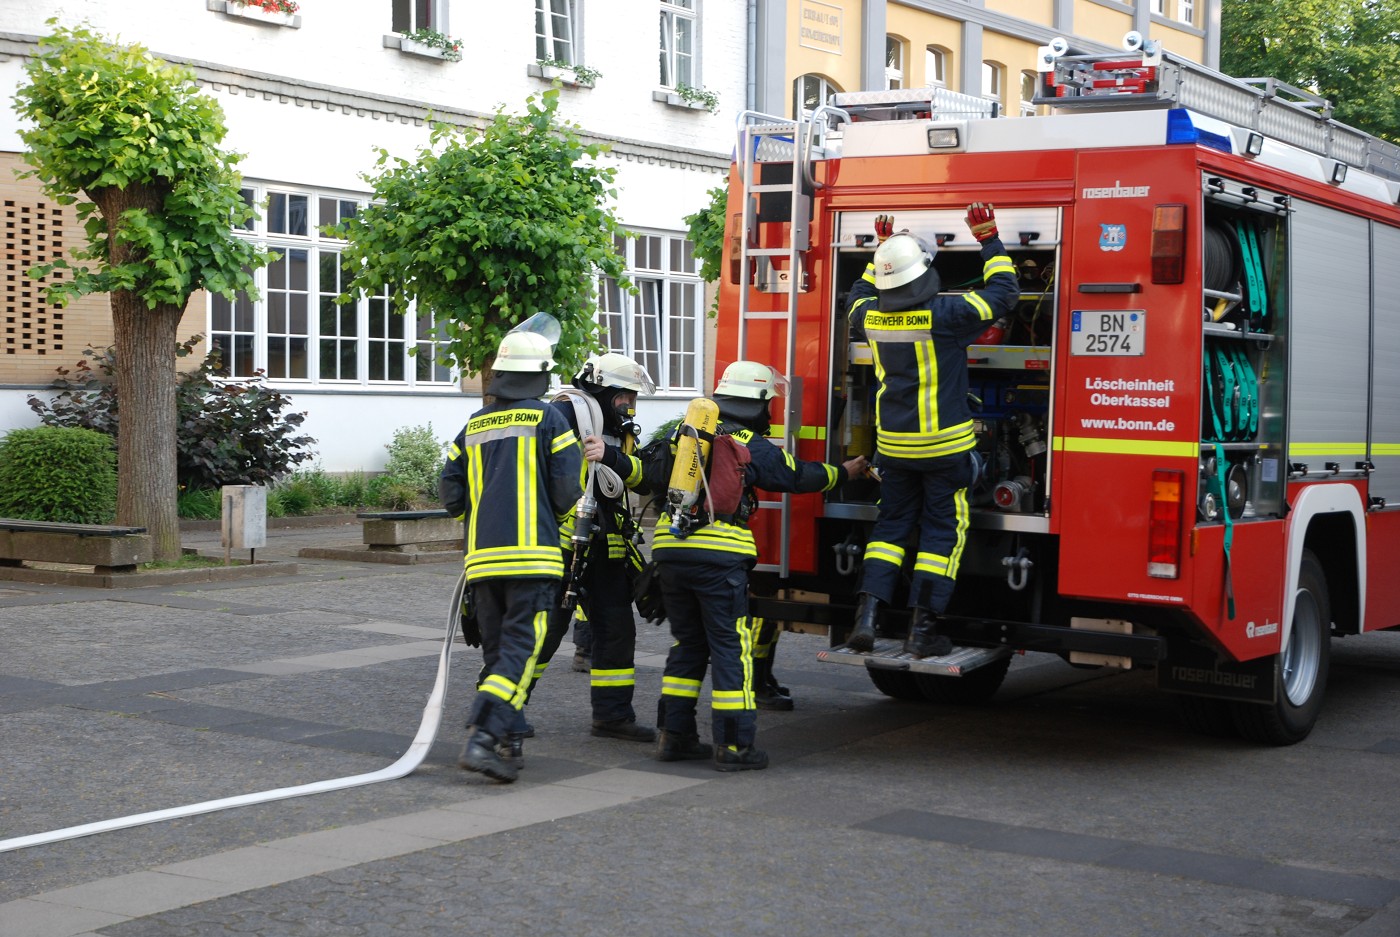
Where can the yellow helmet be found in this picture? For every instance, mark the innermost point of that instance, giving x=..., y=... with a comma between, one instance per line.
x=751, y=379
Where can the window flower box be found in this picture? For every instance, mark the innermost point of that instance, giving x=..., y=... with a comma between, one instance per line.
x=266, y=12
x=675, y=100
x=414, y=47
x=428, y=43
x=561, y=73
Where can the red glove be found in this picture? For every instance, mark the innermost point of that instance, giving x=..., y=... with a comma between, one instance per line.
x=884, y=227
x=982, y=220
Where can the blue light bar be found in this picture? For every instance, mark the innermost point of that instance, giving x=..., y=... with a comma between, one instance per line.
x=1181, y=130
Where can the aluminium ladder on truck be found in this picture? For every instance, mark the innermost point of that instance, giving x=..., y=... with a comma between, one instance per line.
x=798, y=143
x=777, y=141
x=1151, y=77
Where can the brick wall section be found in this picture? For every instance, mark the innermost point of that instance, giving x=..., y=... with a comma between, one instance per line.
x=35, y=336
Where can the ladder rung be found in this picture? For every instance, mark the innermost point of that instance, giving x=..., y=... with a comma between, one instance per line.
x=771, y=252
x=771, y=187
x=750, y=314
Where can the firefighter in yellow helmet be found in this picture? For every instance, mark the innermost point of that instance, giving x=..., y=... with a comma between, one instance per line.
x=919, y=342
x=511, y=475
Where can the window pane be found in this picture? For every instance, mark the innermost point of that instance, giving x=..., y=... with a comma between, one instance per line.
x=933, y=66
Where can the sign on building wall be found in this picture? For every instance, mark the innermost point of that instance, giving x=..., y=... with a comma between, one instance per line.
x=819, y=27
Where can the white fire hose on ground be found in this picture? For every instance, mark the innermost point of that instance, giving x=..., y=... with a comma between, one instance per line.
x=410, y=760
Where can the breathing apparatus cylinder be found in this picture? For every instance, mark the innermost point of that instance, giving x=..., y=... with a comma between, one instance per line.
x=695, y=433
x=585, y=525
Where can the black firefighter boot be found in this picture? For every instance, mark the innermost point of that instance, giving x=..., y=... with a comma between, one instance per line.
x=862, y=636
x=481, y=755
x=767, y=692
x=924, y=639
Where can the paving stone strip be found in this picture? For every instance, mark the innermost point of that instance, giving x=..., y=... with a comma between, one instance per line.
x=69, y=912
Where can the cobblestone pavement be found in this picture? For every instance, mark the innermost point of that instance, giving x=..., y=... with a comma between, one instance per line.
x=1074, y=804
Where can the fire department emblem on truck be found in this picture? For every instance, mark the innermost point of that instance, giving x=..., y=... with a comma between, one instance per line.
x=1113, y=237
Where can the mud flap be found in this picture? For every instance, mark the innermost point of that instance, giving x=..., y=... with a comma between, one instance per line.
x=1199, y=671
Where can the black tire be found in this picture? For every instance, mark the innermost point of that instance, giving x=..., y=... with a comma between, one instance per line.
x=976, y=687
x=898, y=684
x=1206, y=716
x=1300, y=670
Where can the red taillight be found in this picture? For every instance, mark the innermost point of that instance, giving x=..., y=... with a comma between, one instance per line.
x=1169, y=244
x=1164, y=525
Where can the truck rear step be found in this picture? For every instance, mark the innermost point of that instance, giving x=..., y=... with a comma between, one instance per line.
x=889, y=655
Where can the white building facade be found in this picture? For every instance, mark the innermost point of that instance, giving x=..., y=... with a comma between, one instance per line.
x=308, y=97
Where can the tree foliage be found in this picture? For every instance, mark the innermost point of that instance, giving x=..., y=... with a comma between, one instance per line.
x=706, y=230
x=1347, y=51
x=488, y=225
x=107, y=117
x=134, y=135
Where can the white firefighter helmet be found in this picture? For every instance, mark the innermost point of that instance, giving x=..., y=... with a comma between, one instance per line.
x=529, y=346
x=751, y=379
x=612, y=369
x=525, y=351
x=901, y=259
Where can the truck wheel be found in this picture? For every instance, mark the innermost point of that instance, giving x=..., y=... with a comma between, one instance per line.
x=1300, y=670
x=978, y=686
x=899, y=684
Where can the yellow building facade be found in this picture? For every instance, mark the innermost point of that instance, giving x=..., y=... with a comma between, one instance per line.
x=811, y=48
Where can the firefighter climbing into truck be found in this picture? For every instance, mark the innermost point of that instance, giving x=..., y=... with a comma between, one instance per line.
x=1183, y=469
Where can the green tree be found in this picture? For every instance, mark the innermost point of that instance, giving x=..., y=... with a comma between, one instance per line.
x=1347, y=51
x=134, y=135
x=489, y=225
x=706, y=230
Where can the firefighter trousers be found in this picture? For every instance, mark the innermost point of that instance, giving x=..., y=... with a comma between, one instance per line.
x=607, y=601
x=708, y=607
x=932, y=499
x=514, y=616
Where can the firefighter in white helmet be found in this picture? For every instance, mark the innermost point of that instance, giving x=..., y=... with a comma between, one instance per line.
x=704, y=581
x=511, y=473
x=601, y=407
x=744, y=393
x=919, y=341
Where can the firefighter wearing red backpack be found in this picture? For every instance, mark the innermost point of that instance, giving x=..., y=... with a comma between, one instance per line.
x=704, y=566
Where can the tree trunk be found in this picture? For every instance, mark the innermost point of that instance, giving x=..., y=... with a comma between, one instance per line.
x=147, y=482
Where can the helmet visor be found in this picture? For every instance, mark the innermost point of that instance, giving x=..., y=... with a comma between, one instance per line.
x=542, y=324
x=629, y=375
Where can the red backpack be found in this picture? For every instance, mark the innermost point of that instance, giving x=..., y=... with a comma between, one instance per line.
x=725, y=476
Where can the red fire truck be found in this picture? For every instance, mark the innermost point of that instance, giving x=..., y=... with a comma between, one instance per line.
x=1189, y=429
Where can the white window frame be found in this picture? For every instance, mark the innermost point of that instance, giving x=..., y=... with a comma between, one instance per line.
x=554, y=30
x=1186, y=11
x=673, y=61
x=894, y=70
x=992, y=82
x=677, y=339
x=825, y=89
x=435, y=19
x=317, y=245
x=1159, y=7
x=1027, y=108
x=939, y=78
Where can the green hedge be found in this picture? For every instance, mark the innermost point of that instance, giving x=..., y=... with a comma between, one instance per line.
x=52, y=473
